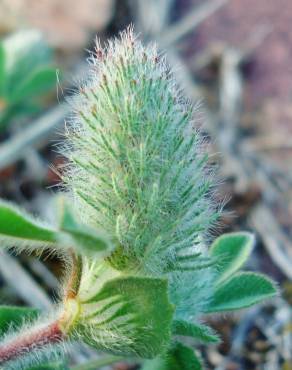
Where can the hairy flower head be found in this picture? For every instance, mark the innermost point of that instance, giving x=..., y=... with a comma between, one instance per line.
x=138, y=171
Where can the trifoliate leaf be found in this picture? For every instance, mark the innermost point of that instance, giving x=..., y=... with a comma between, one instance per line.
x=128, y=316
x=242, y=290
x=179, y=357
x=14, y=316
x=231, y=252
x=200, y=332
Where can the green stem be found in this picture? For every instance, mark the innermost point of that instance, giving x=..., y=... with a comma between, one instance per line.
x=95, y=364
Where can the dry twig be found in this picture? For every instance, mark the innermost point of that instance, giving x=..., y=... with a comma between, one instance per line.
x=188, y=24
x=33, y=135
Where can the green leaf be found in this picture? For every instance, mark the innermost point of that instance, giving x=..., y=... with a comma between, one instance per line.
x=24, y=72
x=17, y=228
x=179, y=357
x=129, y=316
x=2, y=72
x=231, y=252
x=25, y=52
x=14, y=316
x=98, y=363
x=200, y=332
x=242, y=290
x=37, y=83
x=84, y=238
x=60, y=365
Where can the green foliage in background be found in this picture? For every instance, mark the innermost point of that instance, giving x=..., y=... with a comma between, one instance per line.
x=26, y=74
x=12, y=316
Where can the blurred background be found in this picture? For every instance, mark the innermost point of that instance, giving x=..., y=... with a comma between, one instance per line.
x=233, y=59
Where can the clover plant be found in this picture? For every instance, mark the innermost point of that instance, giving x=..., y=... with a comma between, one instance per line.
x=133, y=227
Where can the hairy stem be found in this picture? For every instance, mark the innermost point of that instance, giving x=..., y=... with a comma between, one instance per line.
x=40, y=336
x=75, y=276
x=31, y=340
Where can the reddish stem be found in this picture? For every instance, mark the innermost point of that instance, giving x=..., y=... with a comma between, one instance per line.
x=30, y=341
x=37, y=338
